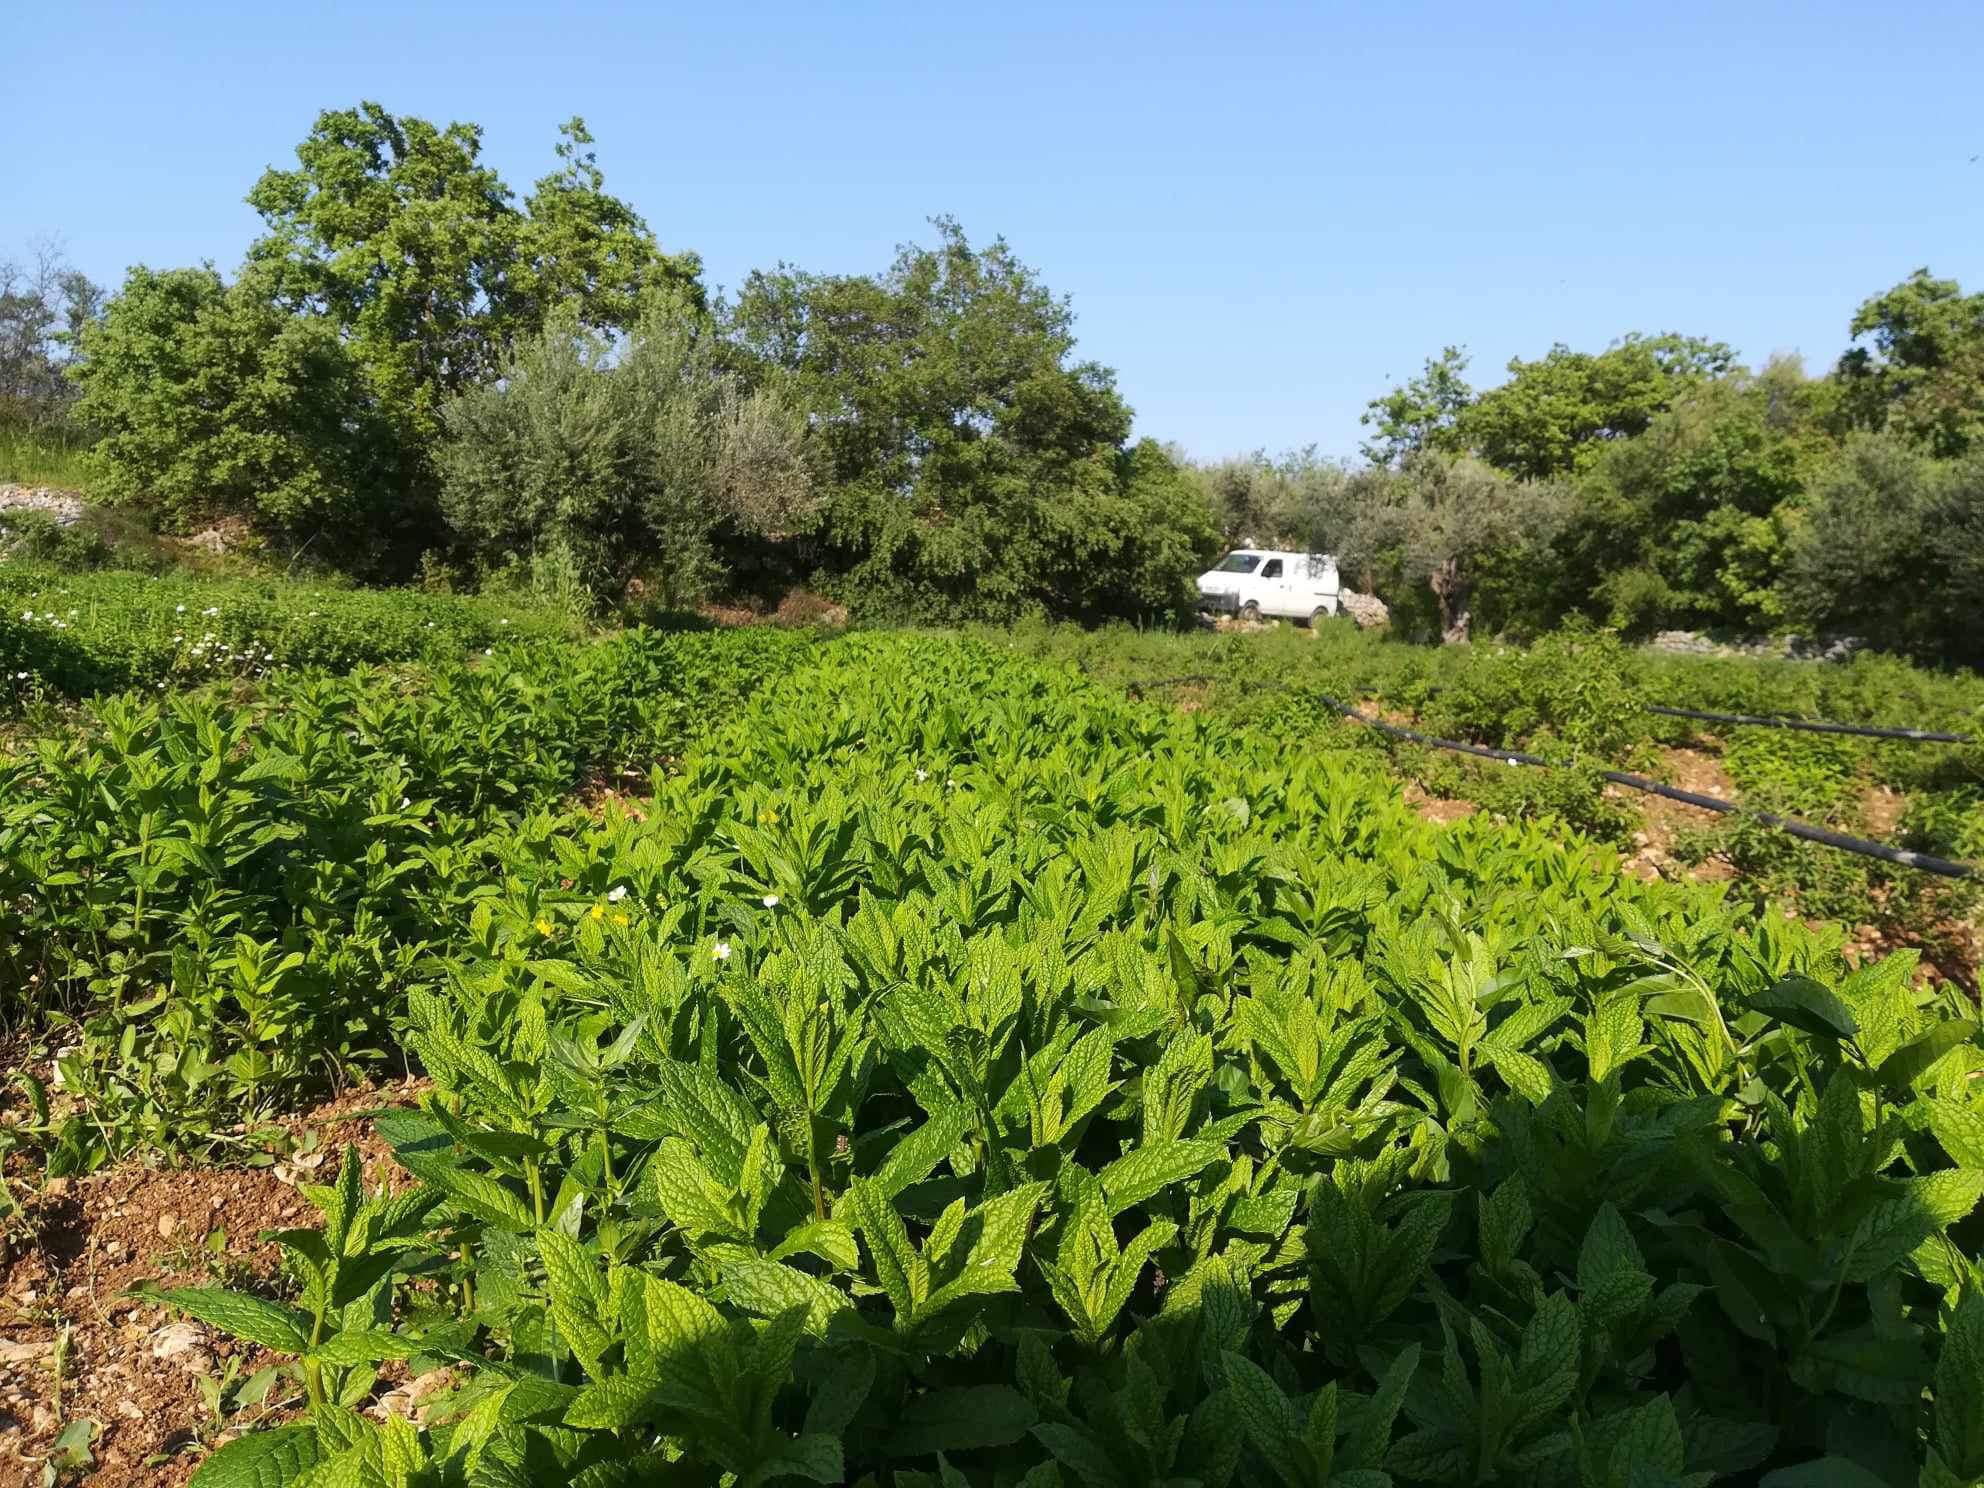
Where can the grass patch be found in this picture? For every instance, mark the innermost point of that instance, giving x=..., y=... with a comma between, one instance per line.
x=29, y=458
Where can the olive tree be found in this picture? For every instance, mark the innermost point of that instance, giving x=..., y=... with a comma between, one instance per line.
x=602, y=461
x=1439, y=521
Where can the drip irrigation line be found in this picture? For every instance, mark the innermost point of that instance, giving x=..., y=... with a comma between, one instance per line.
x=1813, y=726
x=1791, y=826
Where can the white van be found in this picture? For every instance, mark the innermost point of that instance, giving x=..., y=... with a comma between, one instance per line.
x=1252, y=582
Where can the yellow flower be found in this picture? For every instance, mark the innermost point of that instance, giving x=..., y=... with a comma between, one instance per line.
x=621, y=919
x=544, y=927
x=599, y=911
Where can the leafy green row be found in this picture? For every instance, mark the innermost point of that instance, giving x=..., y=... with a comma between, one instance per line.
x=72, y=635
x=959, y=1074
x=220, y=903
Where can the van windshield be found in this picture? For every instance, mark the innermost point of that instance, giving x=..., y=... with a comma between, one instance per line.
x=1239, y=563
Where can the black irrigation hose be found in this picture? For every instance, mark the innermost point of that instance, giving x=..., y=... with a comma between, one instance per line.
x=1811, y=726
x=1791, y=826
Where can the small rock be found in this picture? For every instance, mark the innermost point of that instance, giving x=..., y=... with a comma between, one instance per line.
x=184, y=1345
x=407, y=1399
x=130, y=1410
x=166, y=1225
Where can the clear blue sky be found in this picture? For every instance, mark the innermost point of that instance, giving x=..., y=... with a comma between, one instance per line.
x=1264, y=213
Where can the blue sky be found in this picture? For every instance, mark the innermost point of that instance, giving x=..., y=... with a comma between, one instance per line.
x=1264, y=213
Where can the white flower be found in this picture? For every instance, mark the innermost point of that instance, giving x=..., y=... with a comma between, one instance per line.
x=488, y=650
x=27, y=614
x=179, y=609
x=921, y=776
x=20, y=676
x=404, y=803
x=615, y=894
x=721, y=950
x=770, y=901
x=211, y=610
x=502, y=622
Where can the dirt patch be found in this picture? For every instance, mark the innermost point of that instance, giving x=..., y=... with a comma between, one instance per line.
x=1881, y=810
x=607, y=790
x=804, y=607
x=1662, y=821
x=74, y=1344
x=797, y=607
x=1442, y=809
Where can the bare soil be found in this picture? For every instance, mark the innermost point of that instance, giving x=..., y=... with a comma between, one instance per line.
x=1662, y=820
x=1442, y=809
x=74, y=1343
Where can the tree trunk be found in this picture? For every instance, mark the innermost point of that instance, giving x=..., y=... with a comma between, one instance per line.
x=1451, y=590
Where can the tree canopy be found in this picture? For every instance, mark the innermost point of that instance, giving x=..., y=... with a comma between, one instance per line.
x=963, y=442
x=415, y=364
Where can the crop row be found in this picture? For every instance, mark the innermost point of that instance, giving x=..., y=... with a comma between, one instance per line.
x=72, y=635
x=954, y=1072
x=216, y=902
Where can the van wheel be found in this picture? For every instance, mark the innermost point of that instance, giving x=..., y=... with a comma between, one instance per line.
x=1319, y=615
x=1251, y=613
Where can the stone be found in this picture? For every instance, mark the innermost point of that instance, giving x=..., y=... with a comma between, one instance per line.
x=183, y=1344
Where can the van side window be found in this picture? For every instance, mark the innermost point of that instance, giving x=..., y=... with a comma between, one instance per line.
x=1272, y=569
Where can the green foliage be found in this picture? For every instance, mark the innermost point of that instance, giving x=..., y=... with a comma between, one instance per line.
x=975, y=472
x=36, y=537
x=209, y=400
x=1421, y=414
x=217, y=902
x=1893, y=544
x=1923, y=372
x=958, y=1073
x=1559, y=410
x=45, y=304
x=40, y=458
x=1300, y=501
x=1439, y=522
x=608, y=461
x=394, y=232
x=76, y=634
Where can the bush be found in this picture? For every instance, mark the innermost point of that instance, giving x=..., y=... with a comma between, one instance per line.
x=211, y=401
x=36, y=537
x=1892, y=547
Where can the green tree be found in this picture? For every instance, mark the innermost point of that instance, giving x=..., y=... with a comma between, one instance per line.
x=395, y=233
x=45, y=304
x=1298, y=500
x=598, y=463
x=1687, y=522
x=957, y=430
x=1442, y=521
x=1892, y=548
x=1127, y=539
x=1921, y=369
x=1555, y=413
x=211, y=401
x=1421, y=413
